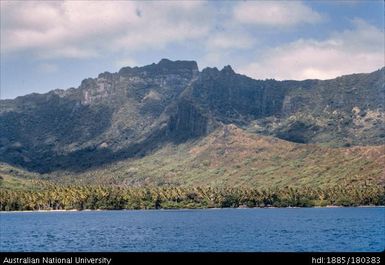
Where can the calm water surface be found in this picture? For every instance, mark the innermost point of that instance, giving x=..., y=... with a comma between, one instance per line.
x=300, y=229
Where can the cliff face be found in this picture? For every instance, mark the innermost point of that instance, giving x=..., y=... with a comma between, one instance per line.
x=236, y=98
x=135, y=110
x=345, y=111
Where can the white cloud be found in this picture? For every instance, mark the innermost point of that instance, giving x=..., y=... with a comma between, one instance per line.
x=164, y=23
x=88, y=29
x=275, y=13
x=82, y=29
x=358, y=50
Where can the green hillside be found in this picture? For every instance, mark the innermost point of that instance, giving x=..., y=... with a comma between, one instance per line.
x=167, y=135
x=231, y=157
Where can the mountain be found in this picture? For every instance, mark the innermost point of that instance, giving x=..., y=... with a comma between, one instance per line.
x=138, y=113
x=232, y=157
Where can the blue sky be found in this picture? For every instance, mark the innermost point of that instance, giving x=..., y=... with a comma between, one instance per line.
x=55, y=44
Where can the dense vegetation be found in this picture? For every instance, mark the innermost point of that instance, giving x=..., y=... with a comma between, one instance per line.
x=116, y=198
x=131, y=113
x=158, y=136
x=231, y=157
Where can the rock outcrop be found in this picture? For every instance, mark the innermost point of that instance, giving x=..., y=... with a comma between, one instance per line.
x=137, y=109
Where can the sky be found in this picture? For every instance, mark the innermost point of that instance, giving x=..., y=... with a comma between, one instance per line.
x=47, y=45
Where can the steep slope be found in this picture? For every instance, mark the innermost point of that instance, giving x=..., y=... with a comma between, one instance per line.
x=106, y=118
x=345, y=111
x=136, y=111
x=349, y=110
x=230, y=157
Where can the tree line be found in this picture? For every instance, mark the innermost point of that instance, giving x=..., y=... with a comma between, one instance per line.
x=114, y=198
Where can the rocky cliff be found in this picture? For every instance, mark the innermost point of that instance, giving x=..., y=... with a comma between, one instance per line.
x=137, y=110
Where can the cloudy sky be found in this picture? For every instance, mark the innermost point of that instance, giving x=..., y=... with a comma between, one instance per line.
x=55, y=44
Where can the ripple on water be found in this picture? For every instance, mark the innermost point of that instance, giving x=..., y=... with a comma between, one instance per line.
x=334, y=229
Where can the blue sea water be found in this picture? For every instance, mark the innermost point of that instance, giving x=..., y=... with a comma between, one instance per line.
x=283, y=229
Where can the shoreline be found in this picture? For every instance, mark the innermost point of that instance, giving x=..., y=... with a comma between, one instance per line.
x=184, y=209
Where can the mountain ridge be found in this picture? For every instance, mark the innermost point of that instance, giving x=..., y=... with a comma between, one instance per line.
x=136, y=110
x=122, y=69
